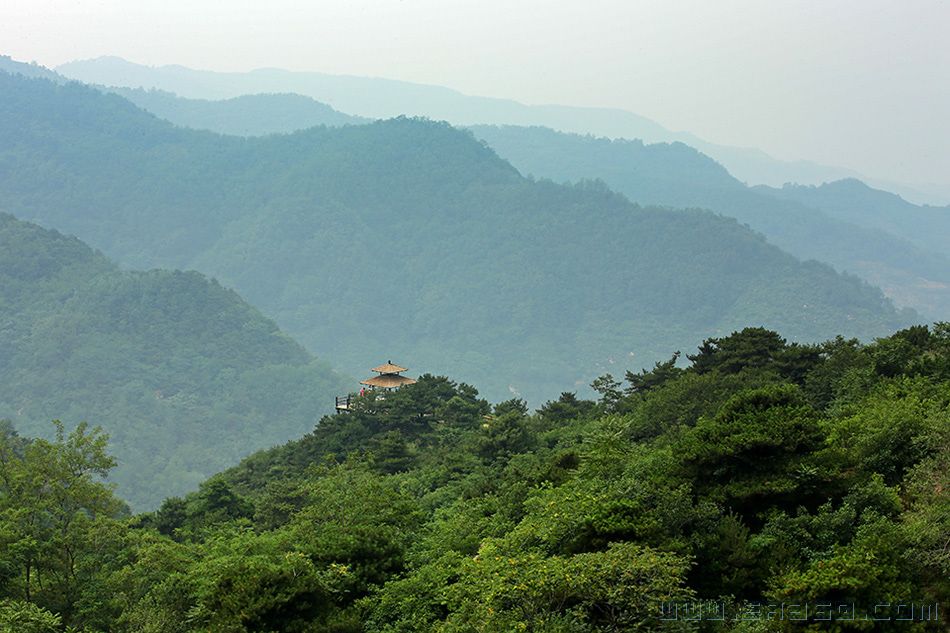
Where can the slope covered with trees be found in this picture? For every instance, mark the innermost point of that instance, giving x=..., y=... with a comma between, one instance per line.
x=10, y=65
x=876, y=235
x=873, y=234
x=764, y=473
x=853, y=201
x=409, y=239
x=184, y=376
x=386, y=98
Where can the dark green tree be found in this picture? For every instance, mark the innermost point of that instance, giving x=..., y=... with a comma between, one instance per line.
x=752, y=347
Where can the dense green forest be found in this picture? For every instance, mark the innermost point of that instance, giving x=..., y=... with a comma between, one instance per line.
x=410, y=239
x=185, y=376
x=876, y=235
x=763, y=478
x=854, y=201
x=385, y=98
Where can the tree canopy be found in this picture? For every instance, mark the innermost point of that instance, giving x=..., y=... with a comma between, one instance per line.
x=413, y=237
x=185, y=376
x=431, y=510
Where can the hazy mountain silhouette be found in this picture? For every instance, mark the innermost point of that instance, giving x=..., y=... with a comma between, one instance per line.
x=854, y=201
x=247, y=115
x=185, y=376
x=874, y=234
x=411, y=240
x=662, y=174
x=383, y=98
x=10, y=65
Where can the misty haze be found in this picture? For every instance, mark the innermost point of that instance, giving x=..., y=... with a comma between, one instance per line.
x=414, y=316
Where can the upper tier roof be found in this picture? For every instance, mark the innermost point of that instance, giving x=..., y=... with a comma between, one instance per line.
x=389, y=368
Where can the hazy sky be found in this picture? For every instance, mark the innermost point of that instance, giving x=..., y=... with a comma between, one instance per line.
x=863, y=84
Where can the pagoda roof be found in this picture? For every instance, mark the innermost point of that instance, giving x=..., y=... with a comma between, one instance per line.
x=389, y=368
x=388, y=381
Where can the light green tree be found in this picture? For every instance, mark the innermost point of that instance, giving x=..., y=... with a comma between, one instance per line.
x=51, y=499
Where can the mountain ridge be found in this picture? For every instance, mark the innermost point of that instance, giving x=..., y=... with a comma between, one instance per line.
x=666, y=174
x=170, y=363
x=412, y=240
x=880, y=250
x=348, y=93
x=849, y=199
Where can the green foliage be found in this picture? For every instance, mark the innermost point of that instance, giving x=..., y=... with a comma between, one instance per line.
x=820, y=478
x=750, y=455
x=25, y=617
x=844, y=223
x=750, y=348
x=868, y=571
x=48, y=500
x=892, y=429
x=185, y=376
x=927, y=520
x=645, y=381
x=417, y=603
x=566, y=408
x=762, y=470
x=505, y=434
x=411, y=236
x=248, y=582
x=617, y=589
x=53, y=511
x=357, y=520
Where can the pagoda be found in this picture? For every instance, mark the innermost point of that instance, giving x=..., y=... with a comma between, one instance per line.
x=389, y=377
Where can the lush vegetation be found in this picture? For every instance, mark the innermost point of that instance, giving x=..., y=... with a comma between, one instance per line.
x=185, y=376
x=757, y=475
x=762, y=472
x=385, y=98
x=874, y=234
x=854, y=201
x=409, y=239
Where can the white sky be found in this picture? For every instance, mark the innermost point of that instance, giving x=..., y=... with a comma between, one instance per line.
x=863, y=84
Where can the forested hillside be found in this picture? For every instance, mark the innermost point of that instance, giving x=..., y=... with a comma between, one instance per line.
x=853, y=201
x=10, y=65
x=184, y=376
x=385, y=98
x=873, y=234
x=409, y=239
x=247, y=115
x=764, y=483
x=878, y=236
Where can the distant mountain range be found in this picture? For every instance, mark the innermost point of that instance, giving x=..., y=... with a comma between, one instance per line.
x=853, y=201
x=895, y=245
x=383, y=98
x=874, y=234
x=185, y=376
x=247, y=115
x=10, y=65
x=411, y=240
